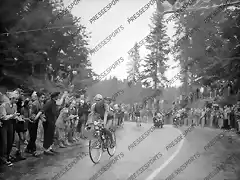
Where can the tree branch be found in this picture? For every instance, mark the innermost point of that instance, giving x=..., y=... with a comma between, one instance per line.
x=229, y=59
x=201, y=8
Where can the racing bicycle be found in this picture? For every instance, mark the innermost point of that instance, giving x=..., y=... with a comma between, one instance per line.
x=101, y=142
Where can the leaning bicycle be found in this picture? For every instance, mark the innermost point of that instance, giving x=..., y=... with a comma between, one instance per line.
x=101, y=142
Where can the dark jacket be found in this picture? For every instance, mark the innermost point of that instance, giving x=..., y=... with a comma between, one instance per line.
x=51, y=111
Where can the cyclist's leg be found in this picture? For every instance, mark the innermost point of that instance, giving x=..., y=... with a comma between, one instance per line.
x=119, y=120
x=108, y=125
x=110, y=118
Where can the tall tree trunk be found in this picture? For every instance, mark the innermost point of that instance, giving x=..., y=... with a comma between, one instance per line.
x=156, y=70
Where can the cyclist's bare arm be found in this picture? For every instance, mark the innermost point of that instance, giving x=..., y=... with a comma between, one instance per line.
x=105, y=114
x=105, y=118
x=92, y=112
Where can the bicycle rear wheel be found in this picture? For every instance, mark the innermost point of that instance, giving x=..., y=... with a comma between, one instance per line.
x=95, y=144
x=111, y=151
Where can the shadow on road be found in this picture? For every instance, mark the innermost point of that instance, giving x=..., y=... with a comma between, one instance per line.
x=32, y=165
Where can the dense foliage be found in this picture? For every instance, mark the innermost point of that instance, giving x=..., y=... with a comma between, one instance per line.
x=212, y=49
x=42, y=44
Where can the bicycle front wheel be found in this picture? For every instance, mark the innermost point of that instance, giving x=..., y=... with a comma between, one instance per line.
x=111, y=151
x=95, y=156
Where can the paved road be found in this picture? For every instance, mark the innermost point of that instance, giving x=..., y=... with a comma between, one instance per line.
x=152, y=149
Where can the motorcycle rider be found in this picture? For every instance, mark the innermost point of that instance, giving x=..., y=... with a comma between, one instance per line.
x=157, y=117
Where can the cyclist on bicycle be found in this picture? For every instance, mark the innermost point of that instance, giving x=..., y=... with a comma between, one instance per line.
x=102, y=109
x=137, y=115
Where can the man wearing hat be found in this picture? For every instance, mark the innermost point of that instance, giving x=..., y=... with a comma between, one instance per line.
x=51, y=112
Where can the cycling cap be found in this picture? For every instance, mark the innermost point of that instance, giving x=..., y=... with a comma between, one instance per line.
x=98, y=97
x=108, y=98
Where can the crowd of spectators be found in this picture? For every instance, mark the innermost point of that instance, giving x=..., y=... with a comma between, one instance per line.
x=59, y=118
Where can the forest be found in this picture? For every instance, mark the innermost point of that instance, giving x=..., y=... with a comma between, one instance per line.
x=43, y=46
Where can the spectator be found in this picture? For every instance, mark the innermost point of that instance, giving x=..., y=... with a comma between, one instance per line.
x=21, y=128
x=232, y=118
x=8, y=114
x=73, y=116
x=83, y=113
x=33, y=124
x=197, y=93
x=202, y=92
x=61, y=125
x=237, y=115
x=211, y=96
x=203, y=117
x=198, y=116
x=5, y=132
x=51, y=112
x=19, y=103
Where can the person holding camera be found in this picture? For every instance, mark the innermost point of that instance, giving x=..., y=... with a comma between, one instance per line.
x=8, y=116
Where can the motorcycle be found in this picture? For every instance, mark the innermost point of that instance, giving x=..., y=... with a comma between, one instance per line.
x=158, y=122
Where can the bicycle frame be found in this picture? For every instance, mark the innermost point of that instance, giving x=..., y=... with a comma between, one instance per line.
x=98, y=128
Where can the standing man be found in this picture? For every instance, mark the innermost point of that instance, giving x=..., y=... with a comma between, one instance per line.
x=237, y=114
x=201, y=92
x=51, y=112
x=8, y=116
x=84, y=114
x=197, y=93
x=33, y=125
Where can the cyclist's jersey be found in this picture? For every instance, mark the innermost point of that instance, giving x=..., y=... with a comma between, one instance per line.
x=157, y=118
x=99, y=109
x=137, y=113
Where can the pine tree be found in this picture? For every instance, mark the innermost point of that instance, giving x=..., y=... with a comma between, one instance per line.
x=133, y=66
x=158, y=45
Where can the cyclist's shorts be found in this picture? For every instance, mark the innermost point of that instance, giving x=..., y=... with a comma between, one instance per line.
x=137, y=114
x=109, y=117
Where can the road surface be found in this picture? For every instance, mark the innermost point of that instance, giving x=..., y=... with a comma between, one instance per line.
x=155, y=151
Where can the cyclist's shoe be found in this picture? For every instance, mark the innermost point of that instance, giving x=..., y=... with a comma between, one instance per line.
x=113, y=144
x=105, y=146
